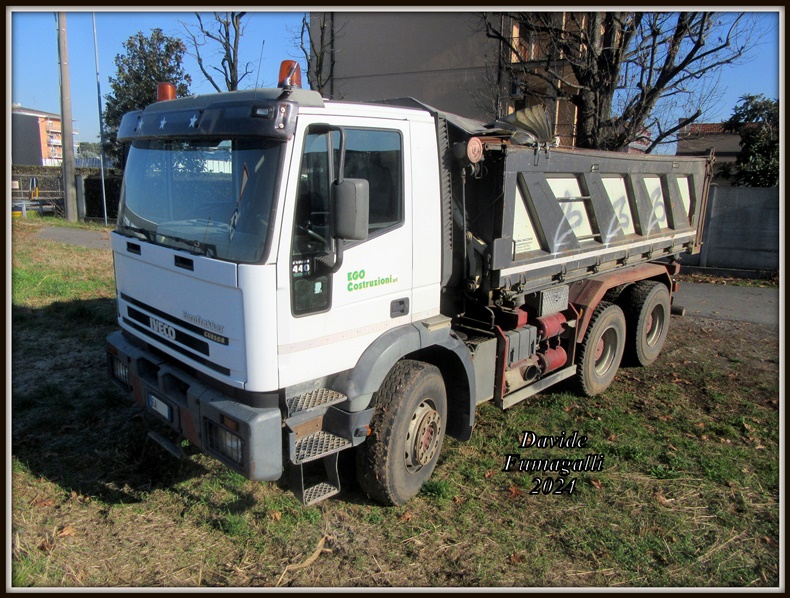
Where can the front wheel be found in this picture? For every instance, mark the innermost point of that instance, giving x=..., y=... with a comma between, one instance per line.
x=601, y=351
x=407, y=431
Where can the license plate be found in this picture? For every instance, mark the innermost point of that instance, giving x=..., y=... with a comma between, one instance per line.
x=160, y=407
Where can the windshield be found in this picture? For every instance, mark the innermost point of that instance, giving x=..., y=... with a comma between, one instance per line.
x=212, y=197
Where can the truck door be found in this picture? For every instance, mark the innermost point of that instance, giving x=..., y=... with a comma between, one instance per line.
x=326, y=319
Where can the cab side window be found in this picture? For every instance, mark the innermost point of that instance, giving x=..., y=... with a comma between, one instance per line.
x=377, y=156
x=371, y=154
x=310, y=284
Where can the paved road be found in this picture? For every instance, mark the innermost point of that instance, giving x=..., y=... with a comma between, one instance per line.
x=76, y=236
x=729, y=302
x=722, y=302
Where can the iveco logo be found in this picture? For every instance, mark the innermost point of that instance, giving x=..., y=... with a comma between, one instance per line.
x=162, y=329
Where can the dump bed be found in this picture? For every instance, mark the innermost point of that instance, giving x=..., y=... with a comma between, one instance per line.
x=562, y=214
x=528, y=216
x=535, y=216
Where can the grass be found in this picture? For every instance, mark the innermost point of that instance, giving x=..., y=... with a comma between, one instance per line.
x=688, y=495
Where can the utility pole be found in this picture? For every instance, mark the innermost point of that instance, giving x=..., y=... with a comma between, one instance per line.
x=101, y=121
x=67, y=133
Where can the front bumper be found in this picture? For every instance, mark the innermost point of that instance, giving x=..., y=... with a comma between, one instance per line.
x=246, y=439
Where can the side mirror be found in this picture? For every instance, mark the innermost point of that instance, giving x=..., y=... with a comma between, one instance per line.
x=350, y=209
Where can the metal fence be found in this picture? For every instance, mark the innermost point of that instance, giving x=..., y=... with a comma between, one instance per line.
x=39, y=193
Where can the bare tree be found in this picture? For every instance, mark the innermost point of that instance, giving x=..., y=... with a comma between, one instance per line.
x=625, y=72
x=316, y=40
x=489, y=96
x=225, y=33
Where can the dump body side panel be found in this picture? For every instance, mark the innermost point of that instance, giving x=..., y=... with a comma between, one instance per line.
x=567, y=214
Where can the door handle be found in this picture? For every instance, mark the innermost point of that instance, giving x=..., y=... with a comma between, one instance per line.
x=399, y=307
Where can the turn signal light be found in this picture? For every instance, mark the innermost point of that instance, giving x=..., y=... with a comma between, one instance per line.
x=231, y=424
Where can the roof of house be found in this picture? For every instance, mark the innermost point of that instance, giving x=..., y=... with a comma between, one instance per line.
x=698, y=138
x=704, y=128
x=17, y=109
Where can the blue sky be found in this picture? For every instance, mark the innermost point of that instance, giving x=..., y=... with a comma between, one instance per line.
x=35, y=77
x=33, y=47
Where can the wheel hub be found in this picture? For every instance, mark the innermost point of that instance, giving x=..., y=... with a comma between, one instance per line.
x=423, y=436
x=605, y=351
x=655, y=325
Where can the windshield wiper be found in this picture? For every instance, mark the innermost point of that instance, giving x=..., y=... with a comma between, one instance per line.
x=196, y=247
x=149, y=236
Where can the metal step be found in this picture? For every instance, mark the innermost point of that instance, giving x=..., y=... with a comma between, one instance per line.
x=315, y=481
x=317, y=445
x=319, y=492
x=315, y=400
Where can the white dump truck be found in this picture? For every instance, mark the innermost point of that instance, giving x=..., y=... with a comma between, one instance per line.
x=297, y=277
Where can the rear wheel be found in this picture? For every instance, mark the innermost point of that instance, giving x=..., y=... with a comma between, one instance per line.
x=647, y=310
x=601, y=351
x=407, y=431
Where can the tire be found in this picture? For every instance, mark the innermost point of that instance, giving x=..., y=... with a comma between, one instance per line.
x=647, y=311
x=599, y=355
x=392, y=464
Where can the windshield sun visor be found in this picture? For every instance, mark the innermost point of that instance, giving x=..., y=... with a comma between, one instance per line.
x=182, y=118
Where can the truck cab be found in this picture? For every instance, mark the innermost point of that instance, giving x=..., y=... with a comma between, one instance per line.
x=267, y=241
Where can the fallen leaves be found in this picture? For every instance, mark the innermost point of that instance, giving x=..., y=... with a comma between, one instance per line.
x=516, y=558
x=79, y=497
x=46, y=545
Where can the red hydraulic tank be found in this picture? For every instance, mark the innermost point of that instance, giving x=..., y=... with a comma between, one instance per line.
x=552, y=359
x=550, y=326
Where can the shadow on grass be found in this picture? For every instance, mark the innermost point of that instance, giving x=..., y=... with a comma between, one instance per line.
x=72, y=425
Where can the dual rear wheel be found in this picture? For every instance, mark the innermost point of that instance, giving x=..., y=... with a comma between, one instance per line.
x=636, y=326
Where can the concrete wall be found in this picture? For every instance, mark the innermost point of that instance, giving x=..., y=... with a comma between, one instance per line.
x=741, y=230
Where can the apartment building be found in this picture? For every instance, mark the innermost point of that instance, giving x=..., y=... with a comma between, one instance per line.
x=443, y=59
x=36, y=137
